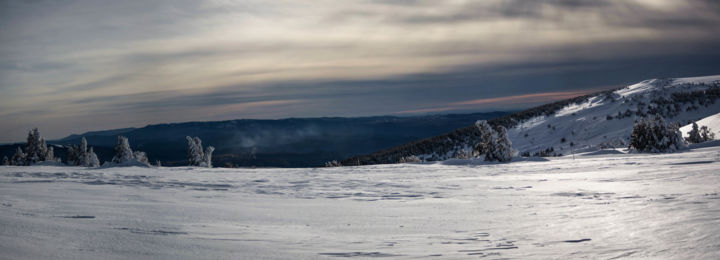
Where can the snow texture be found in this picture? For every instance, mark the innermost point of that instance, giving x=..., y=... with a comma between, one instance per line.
x=601, y=206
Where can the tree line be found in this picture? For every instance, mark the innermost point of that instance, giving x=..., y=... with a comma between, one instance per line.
x=37, y=152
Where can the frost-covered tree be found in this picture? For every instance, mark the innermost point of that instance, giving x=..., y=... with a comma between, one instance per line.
x=92, y=160
x=195, y=151
x=694, y=134
x=503, y=146
x=72, y=155
x=36, y=148
x=82, y=156
x=699, y=135
x=125, y=156
x=494, y=145
x=18, y=158
x=5, y=161
x=123, y=153
x=333, y=163
x=208, y=157
x=50, y=154
x=656, y=136
x=196, y=155
x=706, y=134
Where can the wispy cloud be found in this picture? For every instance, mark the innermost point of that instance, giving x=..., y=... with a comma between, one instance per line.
x=506, y=101
x=132, y=60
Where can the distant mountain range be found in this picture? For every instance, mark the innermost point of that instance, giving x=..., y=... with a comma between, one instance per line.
x=590, y=122
x=293, y=142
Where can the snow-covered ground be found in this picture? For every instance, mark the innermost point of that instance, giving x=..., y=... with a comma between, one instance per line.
x=586, y=125
x=603, y=205
x=712, y=122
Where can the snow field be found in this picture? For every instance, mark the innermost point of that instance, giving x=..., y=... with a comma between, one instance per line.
x=600, y=205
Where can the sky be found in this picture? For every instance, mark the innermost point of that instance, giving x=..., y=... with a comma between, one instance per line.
x=75, y=66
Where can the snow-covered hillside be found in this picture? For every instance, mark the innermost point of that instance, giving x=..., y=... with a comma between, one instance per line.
x=579, y=124
x=603, y=119
x=658, y=206
x=712, y=122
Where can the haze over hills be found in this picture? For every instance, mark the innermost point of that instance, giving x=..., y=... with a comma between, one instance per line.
x=293, y=142
x=585, y=123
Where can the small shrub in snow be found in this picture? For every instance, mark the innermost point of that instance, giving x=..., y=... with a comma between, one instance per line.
x=196, y=156
x=699, y=135
x=333, y=163
x=409, y=159
x=494, y=145
x=5, y=161
x=656, y=136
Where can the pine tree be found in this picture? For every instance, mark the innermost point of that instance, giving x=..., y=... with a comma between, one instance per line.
x=33, y=150
x=195, y=152
x=208, y=156
x=656, y=136
x=196, y=155
x=72, y=157
x=495, y=145
x=92, y=158
x=50, y=154
x=18, y=158
x=503, y=145
x=694, y=134
x=5, y=161
x=123, y=153
x=83, y=158
x=706, y=134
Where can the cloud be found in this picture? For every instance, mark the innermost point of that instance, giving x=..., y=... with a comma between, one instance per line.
x=109, y=63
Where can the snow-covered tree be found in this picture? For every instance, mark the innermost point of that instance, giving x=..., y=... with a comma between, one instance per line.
x=694, y=134
x=196, y=155
x=503, y=145
x=208, y=157
x=656, y=136
x=123, y=153
x=50, y=154
x=5, y=161
x=195, y=151
x=706, y=134
x=92, y=160
x=699, y=135
x=36, y=148
x=333, y=163
x=125, y=156
x=18, y=158
x=82, y=156
x=494, y=145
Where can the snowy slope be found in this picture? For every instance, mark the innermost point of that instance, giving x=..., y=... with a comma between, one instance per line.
x=712, y=122
x=654, y=206
x=589, y=125
x=580, y=124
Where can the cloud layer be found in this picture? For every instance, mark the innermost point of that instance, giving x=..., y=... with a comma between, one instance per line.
x=74, y=66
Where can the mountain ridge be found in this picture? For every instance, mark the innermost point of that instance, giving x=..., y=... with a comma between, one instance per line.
x=583, y=123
